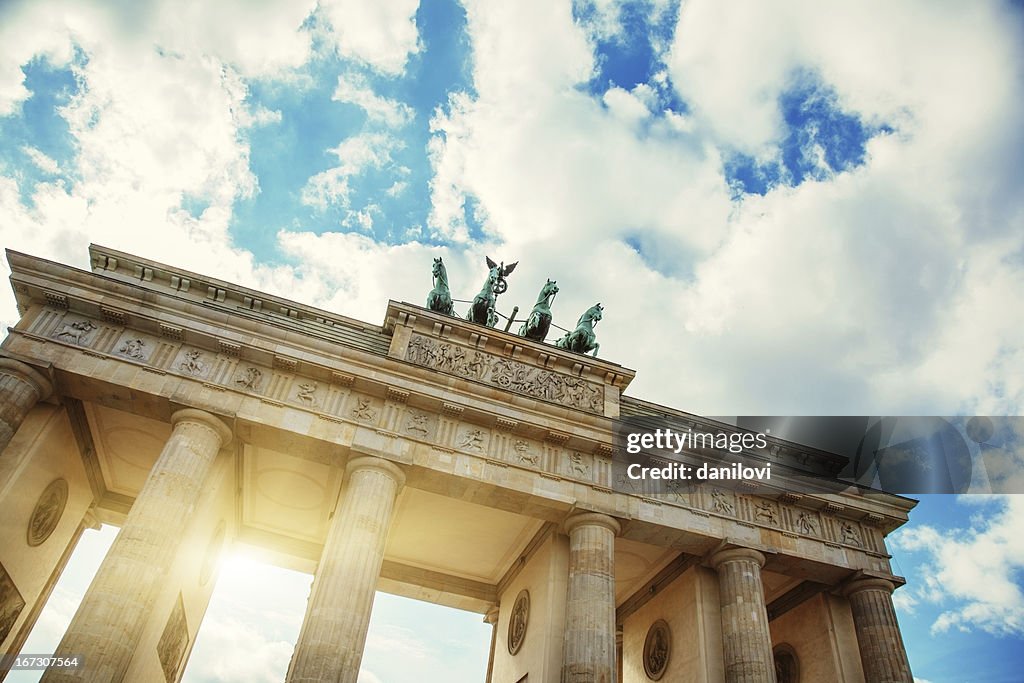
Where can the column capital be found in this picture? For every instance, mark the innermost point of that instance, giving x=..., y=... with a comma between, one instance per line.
x=592, y=519
x=372, y=462
x=27, y=374
x=866, y=584
x=737, y=555
x=492, y=616
x=204, y=418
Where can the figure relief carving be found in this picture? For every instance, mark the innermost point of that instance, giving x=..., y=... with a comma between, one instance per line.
x=765, y=512
x=173, y=642
x=47, y=512
x=418, y=422
x=525, y=453
x=192, y=364
x=850, y=534
x=518, y=621
x=307, y=393
x=78, y=331
x=364, y=410
x=578, y=466
x=250, y=378
x=657, y=649
x=720, y=502
x=11, y=603
x=805, y=524
x=508, y=374
x=472, y=440
x=133, y=348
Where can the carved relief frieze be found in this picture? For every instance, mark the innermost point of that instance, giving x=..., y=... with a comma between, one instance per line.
x=193, y=362
x=364, y=410
x=508, y=374
x=525, y=453
x=418, y=424
x=173, y=642
x=579, y=465
x=721, y=502
x=11, y=603
x=472, y=439
x=765, y=513
x=249, y=377
x=806, y=523
x=134, y=347
x=78, y=332
x=306, y=394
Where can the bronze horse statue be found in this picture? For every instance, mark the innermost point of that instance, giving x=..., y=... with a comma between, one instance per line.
x=583, y=339
x=537, y=325
x=481, y=311
x=440, y=297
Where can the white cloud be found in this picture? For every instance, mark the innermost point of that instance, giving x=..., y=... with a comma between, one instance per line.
x=355, y=90
x=972, y=574
x=42, y=162
x=356, y=154
x=380, y=34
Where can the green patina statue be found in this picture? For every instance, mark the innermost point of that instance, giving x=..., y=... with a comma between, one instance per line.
x=583, y=339
x=537, y=325
x=440, y=297
x=482, y=311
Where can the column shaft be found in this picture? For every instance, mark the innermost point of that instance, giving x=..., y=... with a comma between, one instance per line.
x=491, y=618
x=108, y=624
x=878, y=634
x=588, y=654
x=746, y=641
x=21, y=388
x=330, y=645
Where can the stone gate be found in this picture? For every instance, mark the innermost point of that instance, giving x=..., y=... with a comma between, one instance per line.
x=427, y=457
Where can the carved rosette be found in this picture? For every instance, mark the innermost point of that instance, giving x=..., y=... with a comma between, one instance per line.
x=518, y=621
x=47, y=512
x=657, y=650
x=512, y=375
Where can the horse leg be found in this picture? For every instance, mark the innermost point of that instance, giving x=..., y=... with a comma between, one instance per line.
x=596, y=347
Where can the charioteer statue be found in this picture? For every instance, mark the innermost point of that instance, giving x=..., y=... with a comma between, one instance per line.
x=483, y=311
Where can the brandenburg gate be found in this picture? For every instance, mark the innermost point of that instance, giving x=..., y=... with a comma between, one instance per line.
x=429, y=457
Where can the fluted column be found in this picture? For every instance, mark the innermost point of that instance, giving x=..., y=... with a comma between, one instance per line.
x=108, y=624
x=878, y=635
x=330, y=645
x=491, y=618
x=588, y=654
x=21, y=388
x=746, y=641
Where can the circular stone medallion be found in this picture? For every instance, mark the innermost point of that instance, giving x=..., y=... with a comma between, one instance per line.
x=787, y=665
x=657, y=648
x=517, y=624
x=47, y=512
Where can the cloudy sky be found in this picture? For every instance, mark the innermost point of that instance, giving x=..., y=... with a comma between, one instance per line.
x=800, y=207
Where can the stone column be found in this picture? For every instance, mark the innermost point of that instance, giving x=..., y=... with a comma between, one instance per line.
x=21, y=388
x=491, y=618
x=588, y=654
x=330, y=645
x=746, y=641
x=878, y=635
x=108, y=624
x=618, y=653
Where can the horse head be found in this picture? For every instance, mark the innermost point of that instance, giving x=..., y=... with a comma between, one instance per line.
x=592, y=315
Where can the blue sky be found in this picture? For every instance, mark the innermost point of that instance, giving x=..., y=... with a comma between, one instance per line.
x=805, y=209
